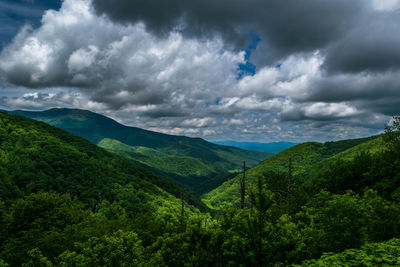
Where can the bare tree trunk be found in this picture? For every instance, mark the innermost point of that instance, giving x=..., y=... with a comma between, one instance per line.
x=243, y=186
x=183, y=206
x=290, y=176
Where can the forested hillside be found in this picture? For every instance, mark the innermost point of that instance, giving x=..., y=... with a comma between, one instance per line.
x=37, y=157
x=39, y=163
x=192, y=162
x=308, y=159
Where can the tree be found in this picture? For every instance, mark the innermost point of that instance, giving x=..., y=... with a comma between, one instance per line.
x=259, y=222
x=119, y=249
x=39, y=221
x=392, y=134
x=243, y=186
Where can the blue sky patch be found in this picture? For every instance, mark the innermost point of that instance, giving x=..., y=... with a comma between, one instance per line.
x=14, y=14
x=248, y=68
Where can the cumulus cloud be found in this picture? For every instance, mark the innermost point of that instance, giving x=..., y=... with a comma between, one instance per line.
x=116, y=64
x=174, y=66
x=319, y=112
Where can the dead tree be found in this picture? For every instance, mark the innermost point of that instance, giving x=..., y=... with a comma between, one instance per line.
x=243, y=186
x=182, y=206
x=290, y=177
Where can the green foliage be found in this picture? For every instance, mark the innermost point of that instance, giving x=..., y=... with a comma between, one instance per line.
x=380, y=171
x=370, y=254
x=119, y=249
x=39, y=221
x=331, y=223
x=36, y=258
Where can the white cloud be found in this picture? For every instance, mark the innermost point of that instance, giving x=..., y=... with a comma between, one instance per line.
x=329, y=109
x=386, y=5
x=82, y=58
x=199, y=122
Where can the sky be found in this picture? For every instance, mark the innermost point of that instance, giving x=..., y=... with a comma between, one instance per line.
x=254, y=70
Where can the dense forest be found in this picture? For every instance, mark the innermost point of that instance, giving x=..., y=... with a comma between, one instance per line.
x=67, y=202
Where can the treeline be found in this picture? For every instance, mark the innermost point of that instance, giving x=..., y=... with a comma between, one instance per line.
x=347, y=215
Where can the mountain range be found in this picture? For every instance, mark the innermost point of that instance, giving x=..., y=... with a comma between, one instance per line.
x=192, y=162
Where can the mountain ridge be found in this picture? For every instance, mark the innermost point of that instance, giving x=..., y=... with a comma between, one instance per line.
x=97, y=128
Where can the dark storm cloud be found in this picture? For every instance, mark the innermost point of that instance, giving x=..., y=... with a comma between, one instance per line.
x=293, y=115
x=372, y=45
x=354, y=36
x=366, y=124
x=164, y=112
x=117, y=99
x=352, y=87
x=286, y=26
x=387, y=106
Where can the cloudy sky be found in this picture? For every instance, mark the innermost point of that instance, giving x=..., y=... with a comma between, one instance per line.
x=254, y=70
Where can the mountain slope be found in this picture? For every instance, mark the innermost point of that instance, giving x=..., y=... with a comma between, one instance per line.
x=37, y=157
x=274, y=148
x=170, y=151
x=186, y=170
x=308, y=160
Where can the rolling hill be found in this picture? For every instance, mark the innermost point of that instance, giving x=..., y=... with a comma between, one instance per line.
x=36, y=157
x=308, y=160
x=192, y=162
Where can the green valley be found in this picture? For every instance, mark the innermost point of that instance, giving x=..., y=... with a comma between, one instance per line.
x=192, y=162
